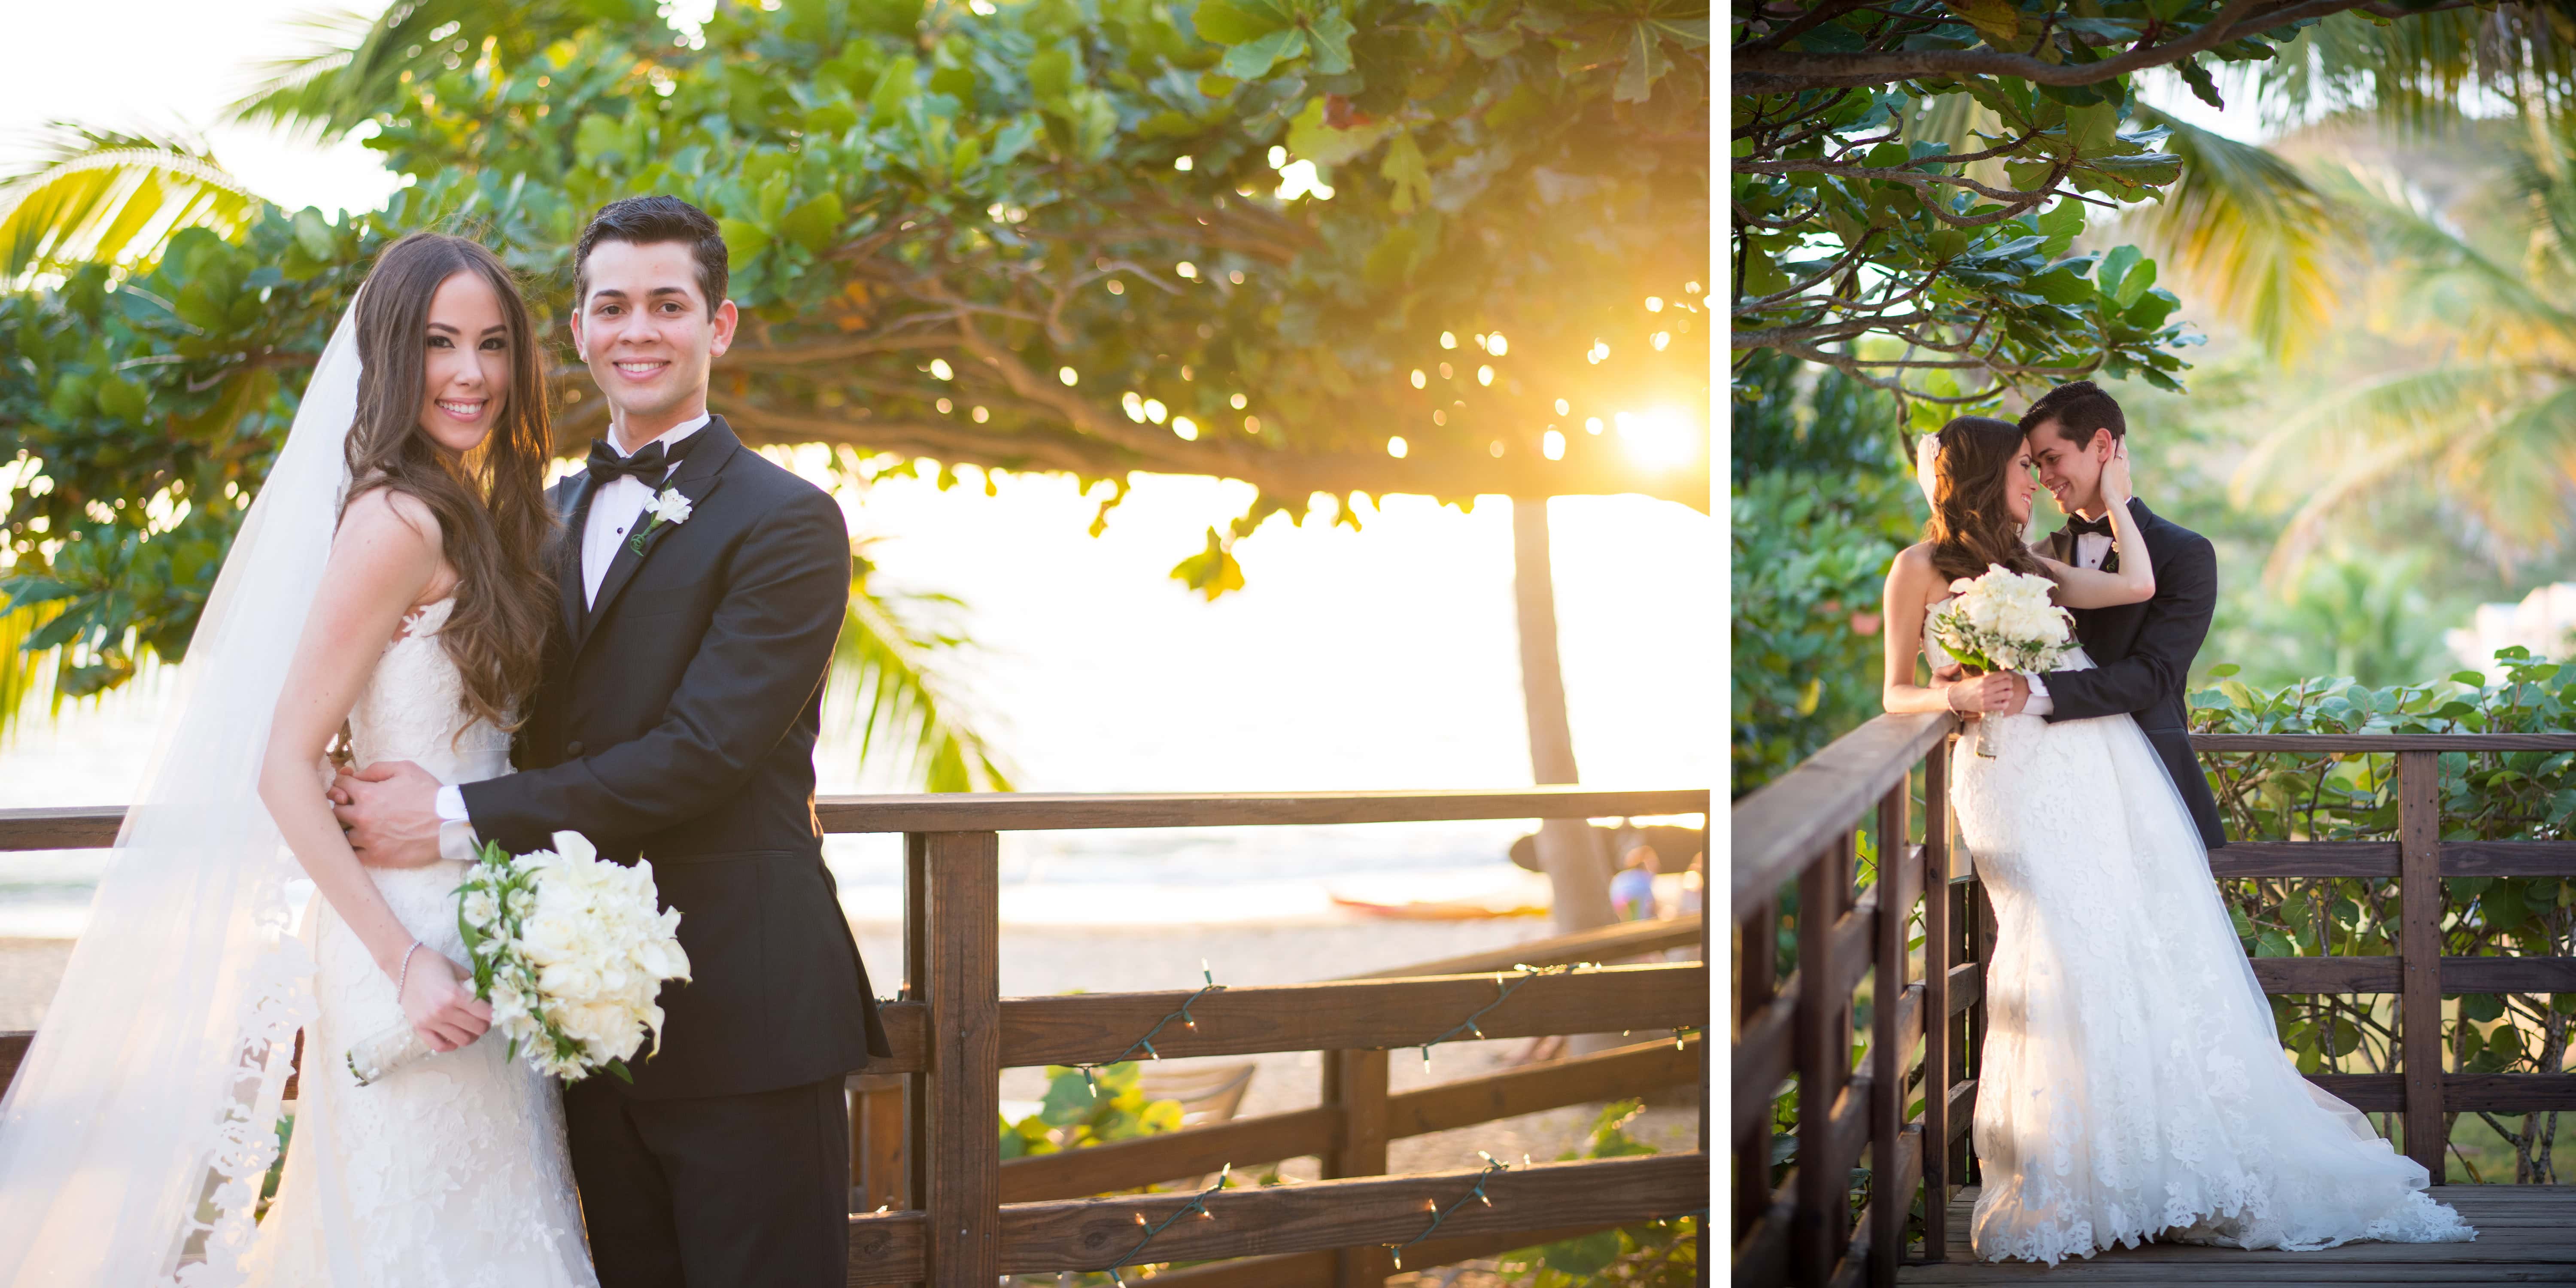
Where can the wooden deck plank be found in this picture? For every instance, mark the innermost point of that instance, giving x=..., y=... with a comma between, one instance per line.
x=2526, y=1234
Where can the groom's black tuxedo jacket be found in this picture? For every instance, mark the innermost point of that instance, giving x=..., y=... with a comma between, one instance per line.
x=676, y=721
x=2142, y=655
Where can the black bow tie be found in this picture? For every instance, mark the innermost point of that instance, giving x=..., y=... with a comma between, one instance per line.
x=2077, y=525
x=648, y=465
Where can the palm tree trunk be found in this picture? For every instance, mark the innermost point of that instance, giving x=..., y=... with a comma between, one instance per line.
x=1567, y=852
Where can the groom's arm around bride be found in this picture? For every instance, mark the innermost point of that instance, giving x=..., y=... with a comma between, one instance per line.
x=2142, y=653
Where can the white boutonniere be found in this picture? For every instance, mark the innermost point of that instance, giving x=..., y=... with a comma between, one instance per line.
x=668, y=507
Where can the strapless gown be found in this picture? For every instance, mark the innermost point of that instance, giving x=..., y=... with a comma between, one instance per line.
x=2132, y=1085
x=450, y=1172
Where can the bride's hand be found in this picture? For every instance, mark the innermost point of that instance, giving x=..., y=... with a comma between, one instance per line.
x=1979, y=694
x=440, y=1005
x=2115, y=475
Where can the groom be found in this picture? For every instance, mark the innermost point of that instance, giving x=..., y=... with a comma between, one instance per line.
x=2142, y=653
x=675, y=721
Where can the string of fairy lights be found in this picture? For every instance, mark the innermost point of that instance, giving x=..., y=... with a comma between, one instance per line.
x=1504, y=986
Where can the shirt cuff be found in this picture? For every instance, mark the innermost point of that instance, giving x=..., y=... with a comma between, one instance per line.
x=456, y=839
x=2039, y=703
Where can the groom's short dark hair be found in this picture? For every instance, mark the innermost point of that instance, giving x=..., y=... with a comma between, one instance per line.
x=644, y=221
x=2079, y=409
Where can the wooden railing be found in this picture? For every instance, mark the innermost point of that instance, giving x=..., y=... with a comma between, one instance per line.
x=960, y=1217
x=1926, y=1028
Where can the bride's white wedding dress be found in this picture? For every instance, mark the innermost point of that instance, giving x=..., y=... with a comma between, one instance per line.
x=2132, y=1085
x=451, y=1172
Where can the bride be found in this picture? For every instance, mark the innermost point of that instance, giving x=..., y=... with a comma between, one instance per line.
x=388, y=586
x=2132, y=1085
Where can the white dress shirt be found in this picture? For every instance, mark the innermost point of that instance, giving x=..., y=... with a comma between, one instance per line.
x=2091, y=548
x=614, y=508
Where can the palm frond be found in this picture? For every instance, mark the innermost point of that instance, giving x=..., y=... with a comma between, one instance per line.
x=103, y=196
x=357, y=67
x=2426, y=72
x=887, y=672
x=2250, y=234
x=19, y=669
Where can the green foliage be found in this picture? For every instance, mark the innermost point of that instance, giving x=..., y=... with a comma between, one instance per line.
x=2511, y=795
x=1061, y=202
x=1663, y=1253
x=1822, y=501
x=1073, y=1116
x=1909, y=181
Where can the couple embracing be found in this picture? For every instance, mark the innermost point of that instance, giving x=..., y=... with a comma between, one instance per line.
x=2132, y=1085
x=645, y=643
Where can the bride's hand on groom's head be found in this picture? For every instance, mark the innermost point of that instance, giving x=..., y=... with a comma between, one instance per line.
x=2116, y=484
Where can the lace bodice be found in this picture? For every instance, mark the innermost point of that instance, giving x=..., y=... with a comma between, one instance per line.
x=413, y=708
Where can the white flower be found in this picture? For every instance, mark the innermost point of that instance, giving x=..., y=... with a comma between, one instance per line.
x=669, y=507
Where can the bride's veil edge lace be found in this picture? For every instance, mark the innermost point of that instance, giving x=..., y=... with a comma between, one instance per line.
x=138, y=1130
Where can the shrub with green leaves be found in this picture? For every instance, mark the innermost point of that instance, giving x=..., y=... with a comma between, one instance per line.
x=2501, y=795
x=1660, y=1254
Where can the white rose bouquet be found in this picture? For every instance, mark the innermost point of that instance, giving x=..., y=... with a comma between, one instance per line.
x=571, y=952
x=2002, y=621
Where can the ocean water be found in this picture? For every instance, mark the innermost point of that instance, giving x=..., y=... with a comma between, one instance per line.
x=1377, y=658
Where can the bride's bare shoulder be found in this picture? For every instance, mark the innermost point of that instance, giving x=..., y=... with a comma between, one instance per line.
x=1913, y=564
x=388, y=540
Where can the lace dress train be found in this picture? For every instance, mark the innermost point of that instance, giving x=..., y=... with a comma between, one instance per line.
x=2132, y=1085
x=451, y=1172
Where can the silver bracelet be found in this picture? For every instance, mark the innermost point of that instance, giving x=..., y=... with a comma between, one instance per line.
x=404, y=976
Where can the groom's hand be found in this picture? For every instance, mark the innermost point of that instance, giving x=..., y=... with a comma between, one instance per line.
x=2020, y=695
x=389, y=810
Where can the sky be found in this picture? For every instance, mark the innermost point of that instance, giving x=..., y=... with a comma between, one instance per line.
x=1382, y=658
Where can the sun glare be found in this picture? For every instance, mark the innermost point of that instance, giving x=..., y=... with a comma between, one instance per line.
x=1658, y=436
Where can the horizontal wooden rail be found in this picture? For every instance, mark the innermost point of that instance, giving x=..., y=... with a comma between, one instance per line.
x=1307, y=1269
x=1249, y=1142
x=2502, y=1093
x=2383, y=742
x=2279, y=859
x=1359, y=1014
x=1778, y=830
x=94, y=827
x=2385, y=974
x=1084, y=1234
x=1606, y=944
x=1354, y=1015
x=1267, y=1220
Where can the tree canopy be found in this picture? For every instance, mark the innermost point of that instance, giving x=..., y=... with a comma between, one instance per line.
x=1315, y=246
x=1910, y=178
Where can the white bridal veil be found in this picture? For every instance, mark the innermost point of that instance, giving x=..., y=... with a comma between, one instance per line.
x=135, y=1138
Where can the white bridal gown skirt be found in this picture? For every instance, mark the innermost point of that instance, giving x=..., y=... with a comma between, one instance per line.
x=447, y=1173
x=2132, y=1084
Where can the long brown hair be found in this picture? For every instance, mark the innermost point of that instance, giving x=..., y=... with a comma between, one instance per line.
x=1972, y=525
x=490, y=503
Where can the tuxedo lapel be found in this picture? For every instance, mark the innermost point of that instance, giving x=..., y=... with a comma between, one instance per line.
x=568, y=570
x=697, y=476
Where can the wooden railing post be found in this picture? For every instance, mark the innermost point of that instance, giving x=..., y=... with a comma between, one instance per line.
x=1757, y=983
x=2419, y=952
x=1937, y=937
x=1888, y=1203
x=1816, y=1231
x=1355, y=1087
x=952, y=896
